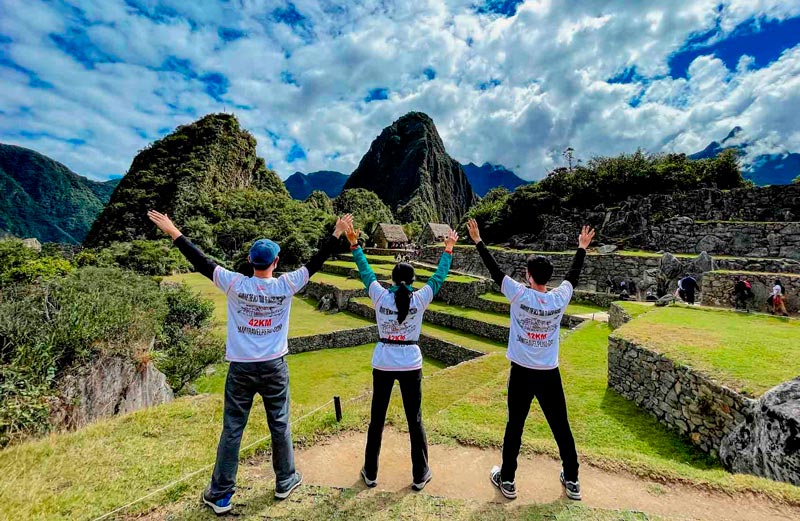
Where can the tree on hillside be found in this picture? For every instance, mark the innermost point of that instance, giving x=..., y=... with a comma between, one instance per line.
x=319, y=200
x=367, y=208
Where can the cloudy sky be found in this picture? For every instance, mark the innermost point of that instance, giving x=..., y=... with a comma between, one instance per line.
x=90, y=83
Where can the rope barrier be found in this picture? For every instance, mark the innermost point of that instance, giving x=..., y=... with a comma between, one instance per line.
x=198, y=471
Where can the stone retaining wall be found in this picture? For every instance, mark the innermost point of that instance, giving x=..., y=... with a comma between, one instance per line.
x=447, y=352
x=319, y=290
x=642, y=269
x=718, y=289
x=617, y=316
x=496, y=332
x=681, y=398
x=386, y=251
x=749, y=239
x=335, y=339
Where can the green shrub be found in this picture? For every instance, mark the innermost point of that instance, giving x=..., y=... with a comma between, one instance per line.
x=186, y=345
x=145, y=257
x=25, y=410
x=367, y=208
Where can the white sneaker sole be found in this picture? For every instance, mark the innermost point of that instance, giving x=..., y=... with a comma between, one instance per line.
x=419, y=486
x=285, y=494
x=368, y=482
x=217, y=510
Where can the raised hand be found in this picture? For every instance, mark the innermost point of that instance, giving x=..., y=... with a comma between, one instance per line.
x=164, y=223
x=474, y=233
x=450, y=240
x=342, y=223
x=587, y=234
x=352, y=235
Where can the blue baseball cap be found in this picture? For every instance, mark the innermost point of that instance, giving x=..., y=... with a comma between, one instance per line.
x=263, y=253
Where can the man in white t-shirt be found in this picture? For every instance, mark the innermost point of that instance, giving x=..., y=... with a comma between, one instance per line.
x=533, y=345
x=256, y=344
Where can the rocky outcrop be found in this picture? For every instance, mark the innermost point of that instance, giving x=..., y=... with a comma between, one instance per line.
x=108, y=386
x=767, y=442
x=180, y=174
x=410, y=170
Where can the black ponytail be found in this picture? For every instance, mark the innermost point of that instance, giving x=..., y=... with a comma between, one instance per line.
x=402, y=276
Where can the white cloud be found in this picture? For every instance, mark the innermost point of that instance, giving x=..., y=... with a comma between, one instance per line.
x=549, y=63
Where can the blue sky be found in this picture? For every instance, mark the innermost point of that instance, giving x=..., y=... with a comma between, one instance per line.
x=512, y=82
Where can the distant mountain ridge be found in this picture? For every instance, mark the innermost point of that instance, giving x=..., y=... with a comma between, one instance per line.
x=43, y=198
x=301, y=185
x=487, y=176
x=764, y=169
x=408, y=167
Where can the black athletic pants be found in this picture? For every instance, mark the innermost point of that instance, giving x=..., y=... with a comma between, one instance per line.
x=411, y=390
x=545, y=385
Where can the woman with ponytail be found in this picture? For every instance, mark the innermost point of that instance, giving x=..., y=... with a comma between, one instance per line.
x=398, y=311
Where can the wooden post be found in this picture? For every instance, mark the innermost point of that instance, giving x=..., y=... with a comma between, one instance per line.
x=337, y=405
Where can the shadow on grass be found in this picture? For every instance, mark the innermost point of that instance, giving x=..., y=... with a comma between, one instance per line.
x=656, y=436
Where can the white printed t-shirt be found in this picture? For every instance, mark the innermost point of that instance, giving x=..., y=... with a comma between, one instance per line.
x=393, y=357
x=258, y=313
x=535, y=323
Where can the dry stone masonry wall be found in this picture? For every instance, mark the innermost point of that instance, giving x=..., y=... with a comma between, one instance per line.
x=681, y=398
x=749, y=239
x=718, y=289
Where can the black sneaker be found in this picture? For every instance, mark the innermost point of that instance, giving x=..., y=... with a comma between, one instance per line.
x=425, y=480
x=572, y=488
x=368, y=482
x=298, y=478
x=219, y=506
x=507, y=488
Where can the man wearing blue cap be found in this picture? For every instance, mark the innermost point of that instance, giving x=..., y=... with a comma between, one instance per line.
x=257, y=341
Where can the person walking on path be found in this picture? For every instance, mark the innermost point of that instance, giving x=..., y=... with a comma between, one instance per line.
x=256, y=344
x=742, y=294
x=687, y=286
x=533, y=351
x=398, y=311
x=778, y=303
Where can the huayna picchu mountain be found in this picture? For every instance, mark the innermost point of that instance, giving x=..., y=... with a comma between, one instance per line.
x=408, y=167
x=42, y=198
x=181, y=174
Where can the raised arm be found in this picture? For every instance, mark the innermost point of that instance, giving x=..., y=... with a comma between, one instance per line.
x=197, y=258
x=574, y=273
x=435, y=282
x=329, y=246
x=364, y=269
x=486, y=256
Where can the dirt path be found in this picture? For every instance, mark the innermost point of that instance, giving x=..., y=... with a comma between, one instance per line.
x=463, y=473
x=599, y=316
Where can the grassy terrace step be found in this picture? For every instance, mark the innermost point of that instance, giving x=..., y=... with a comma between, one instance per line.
x=572, y=309
x=384, y=271
x=748, y=352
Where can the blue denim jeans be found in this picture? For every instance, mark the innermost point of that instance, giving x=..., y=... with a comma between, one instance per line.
x=270, y=379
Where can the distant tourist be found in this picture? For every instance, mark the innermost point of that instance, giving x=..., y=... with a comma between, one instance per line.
x=777, y=299
x=256, y=344
x=533, y=350
x=687, y=287
x=742, y=294
x=398, y=311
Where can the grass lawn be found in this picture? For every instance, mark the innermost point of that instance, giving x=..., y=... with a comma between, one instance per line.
x=748, y=352
x=634, y=309
x=339, y=281
x=346, y=371
x=86, y=473
x=490, y=317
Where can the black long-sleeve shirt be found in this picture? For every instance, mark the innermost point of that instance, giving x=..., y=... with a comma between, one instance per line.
x=573, y=274
x=204, y=265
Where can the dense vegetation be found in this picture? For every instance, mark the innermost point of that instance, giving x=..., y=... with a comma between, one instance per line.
x=367, y=208
x=601, y=181
x=55, y=316
x=182, y=174
x=44, y=199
